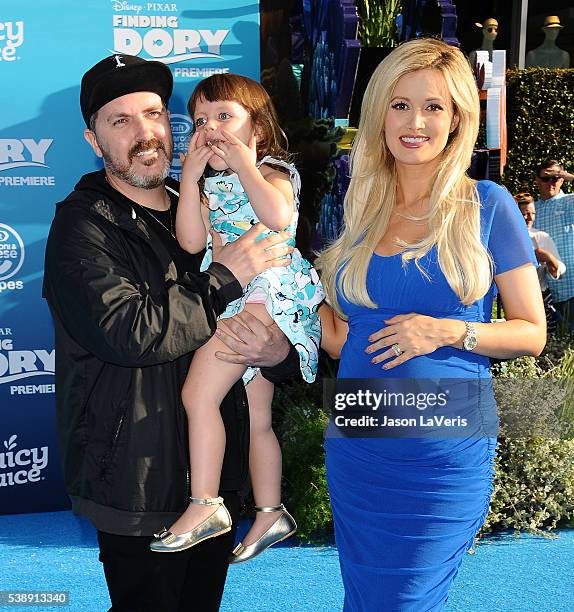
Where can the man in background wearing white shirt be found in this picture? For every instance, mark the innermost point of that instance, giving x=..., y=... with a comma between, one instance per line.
x=555, y=216
x=549, y=263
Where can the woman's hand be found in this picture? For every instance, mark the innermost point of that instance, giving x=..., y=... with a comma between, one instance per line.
x=416, y=335
x=193, y=164
x=237, y=155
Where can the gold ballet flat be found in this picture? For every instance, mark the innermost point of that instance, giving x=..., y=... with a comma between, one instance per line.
x=281, y=529
x=214, y=525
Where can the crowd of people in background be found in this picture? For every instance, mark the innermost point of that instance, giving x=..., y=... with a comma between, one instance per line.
x=550, y=222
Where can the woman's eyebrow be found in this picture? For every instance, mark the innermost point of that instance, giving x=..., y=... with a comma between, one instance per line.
x=437, y=98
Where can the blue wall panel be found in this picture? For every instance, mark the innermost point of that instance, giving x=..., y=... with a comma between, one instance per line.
x=45, y=47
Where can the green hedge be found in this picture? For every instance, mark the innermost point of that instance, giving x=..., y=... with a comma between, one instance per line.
x=540, y=119
x=534, y=475
x=300, y=428
x=533, y=486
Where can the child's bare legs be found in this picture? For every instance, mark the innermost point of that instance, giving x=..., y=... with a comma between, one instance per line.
x=208, y=381
x=264, y=456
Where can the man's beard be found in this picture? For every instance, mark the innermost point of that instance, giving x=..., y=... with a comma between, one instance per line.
x=127, y=173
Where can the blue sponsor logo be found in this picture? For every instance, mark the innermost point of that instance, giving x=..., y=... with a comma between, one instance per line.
x=12, y=252
x=181, y=129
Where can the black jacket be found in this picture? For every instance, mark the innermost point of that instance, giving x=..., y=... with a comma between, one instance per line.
x=126, y=323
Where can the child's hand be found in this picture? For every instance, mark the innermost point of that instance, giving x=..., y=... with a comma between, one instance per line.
x=193, y=164
x=237, y=155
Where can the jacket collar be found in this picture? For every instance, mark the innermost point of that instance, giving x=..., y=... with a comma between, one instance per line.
x=113, y=205
x=124, y=213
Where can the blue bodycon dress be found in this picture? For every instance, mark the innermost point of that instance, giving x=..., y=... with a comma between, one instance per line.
x=406, y=510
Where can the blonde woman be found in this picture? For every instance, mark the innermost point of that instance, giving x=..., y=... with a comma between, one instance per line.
x=423, y=250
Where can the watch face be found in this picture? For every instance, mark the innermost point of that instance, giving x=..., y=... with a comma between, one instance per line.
x=470, y=343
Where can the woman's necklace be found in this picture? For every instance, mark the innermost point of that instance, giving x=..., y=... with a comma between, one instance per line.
x=410, y=216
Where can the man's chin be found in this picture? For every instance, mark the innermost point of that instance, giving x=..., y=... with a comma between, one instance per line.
x=149, y=180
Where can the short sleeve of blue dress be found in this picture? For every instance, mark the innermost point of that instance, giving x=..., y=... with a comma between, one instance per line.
x=504, y=230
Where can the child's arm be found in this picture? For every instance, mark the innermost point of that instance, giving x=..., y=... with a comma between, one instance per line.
x=269, y=191
x=333, y=331
x=192, y=219
x=271, y=195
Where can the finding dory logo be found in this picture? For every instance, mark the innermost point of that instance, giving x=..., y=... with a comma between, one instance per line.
x=159, y=37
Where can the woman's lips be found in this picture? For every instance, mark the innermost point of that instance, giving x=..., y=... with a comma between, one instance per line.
x=413, y=142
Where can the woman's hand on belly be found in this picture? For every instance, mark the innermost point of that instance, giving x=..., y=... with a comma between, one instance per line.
x=415, y=335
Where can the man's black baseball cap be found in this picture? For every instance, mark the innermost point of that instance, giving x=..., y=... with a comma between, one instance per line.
x=118, y=75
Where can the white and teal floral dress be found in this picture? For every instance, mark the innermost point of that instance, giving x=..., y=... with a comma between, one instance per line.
x=292, y=294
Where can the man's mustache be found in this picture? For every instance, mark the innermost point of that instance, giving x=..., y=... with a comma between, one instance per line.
x=146, y=145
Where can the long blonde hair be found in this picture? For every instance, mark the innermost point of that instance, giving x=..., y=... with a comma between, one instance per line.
x=454, y=207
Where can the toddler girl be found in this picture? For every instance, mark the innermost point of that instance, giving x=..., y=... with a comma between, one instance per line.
x=238, y=137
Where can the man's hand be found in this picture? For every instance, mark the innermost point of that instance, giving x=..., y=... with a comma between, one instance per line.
x=252, y=343
x=552, y=270
x=247, y=257
x=559, y=174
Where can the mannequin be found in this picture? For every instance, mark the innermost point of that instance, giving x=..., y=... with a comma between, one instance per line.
x=548, y=55
x=489, y=33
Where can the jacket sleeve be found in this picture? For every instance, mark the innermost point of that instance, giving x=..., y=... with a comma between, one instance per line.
x=99, y=298
x=288, y=370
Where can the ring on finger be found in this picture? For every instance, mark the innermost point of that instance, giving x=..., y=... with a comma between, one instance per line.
x=396, y=349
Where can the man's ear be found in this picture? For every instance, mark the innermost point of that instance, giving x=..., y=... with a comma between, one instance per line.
x=92, y=141
x=454, y=123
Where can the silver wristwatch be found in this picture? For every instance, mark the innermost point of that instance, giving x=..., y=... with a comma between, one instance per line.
x=469, y=342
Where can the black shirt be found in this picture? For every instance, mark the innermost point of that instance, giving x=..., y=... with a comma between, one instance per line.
x=162, y=223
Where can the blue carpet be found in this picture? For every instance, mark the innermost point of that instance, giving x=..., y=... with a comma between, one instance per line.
x=57, y=551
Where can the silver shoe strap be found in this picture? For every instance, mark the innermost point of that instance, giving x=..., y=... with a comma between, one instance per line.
x=206, y=501
x=278, y=508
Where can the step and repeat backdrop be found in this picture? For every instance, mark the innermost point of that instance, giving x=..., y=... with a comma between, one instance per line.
x=45, y=47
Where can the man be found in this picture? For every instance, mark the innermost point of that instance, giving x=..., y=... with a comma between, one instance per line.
x=555, y=216
x=129, y=307
x=549, y=263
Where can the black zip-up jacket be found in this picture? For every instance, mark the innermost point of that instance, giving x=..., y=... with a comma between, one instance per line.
x=126, y=323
